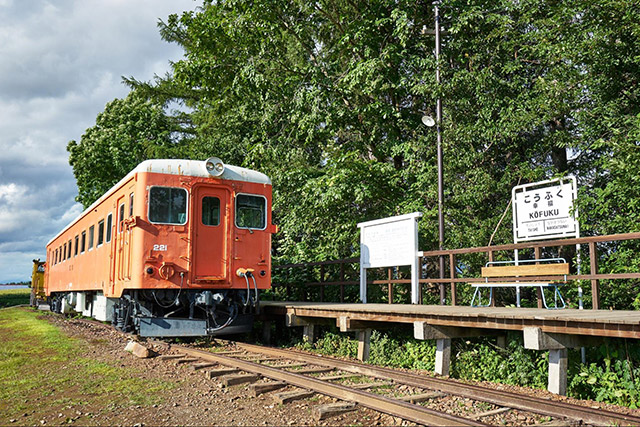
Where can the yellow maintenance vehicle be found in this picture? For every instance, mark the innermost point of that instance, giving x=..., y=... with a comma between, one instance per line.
x=37, y=283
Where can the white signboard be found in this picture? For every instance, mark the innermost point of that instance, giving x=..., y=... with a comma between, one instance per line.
x=542, y=210
x=389, y=242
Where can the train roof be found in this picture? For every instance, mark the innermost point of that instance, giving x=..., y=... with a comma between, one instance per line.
x=195, y=168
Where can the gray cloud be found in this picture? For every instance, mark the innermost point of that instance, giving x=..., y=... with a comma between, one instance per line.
x=60, y=62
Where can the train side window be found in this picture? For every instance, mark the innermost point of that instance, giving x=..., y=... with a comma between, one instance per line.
x=83, y=241
x=131, y=204
x=109, y=224
x=168, y=205
x=121, y=218
x=91, y=231
x=64, y=252
x=251, y=211
x=210, y=211
x=75, y=252
x=100, y=232
x=55, y=258
x=69, y=249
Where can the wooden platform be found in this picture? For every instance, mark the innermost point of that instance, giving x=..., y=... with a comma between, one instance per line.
x=597, y=323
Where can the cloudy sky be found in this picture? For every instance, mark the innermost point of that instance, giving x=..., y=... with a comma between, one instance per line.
x=61, y=61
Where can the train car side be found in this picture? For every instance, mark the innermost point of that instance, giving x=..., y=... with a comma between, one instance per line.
x=171, y=241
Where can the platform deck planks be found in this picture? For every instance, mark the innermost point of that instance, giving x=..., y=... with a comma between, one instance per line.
x=601, y=323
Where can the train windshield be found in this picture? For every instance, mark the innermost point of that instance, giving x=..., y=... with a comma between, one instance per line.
x=168, y=205
x=251, y=211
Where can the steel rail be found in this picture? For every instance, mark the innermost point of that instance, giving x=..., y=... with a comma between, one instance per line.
x=497, y=397
x=404, y=410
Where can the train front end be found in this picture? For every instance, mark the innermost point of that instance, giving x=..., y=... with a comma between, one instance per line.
x=193, y=260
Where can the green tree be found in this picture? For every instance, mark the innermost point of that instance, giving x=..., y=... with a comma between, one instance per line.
x=326, y=98
x=126, y=133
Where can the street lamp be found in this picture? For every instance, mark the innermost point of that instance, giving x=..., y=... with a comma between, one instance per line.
x=428, y=121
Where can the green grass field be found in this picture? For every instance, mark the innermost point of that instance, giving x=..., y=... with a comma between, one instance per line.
x=11, y=297
x=44, y=372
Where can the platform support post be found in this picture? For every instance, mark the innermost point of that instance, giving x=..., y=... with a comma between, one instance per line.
x=266, y=332
x=309, y=333
x=502, y=341
x=443, y=356
x=364, y=344
x=363, y=284
x=416, y=289
x=558, y=371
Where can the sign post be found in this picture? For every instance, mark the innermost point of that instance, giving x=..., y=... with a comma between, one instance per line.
x=545, y=210
x=390, y=242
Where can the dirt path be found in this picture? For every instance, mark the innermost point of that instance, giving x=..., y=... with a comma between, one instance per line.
x=190, y=398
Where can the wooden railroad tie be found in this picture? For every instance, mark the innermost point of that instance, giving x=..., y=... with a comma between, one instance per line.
x=320, y=370
x=332, y=409
x=230, y=380
x=203, y=365
x=416, y=398
x=214, y=373
x=290, y=396
x=289, y=366
x=187, y=360
x=258, y=389
x=338, y=377
x=171, y=356
x=365, y=386
x=489, y=413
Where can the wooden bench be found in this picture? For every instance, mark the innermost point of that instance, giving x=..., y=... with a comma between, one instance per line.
x=534, y=269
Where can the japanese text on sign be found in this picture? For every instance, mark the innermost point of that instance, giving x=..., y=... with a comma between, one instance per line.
x=543, y=210
x=388, y=243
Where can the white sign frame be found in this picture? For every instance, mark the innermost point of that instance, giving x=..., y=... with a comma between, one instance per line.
x=524, y=197
x=390, y=242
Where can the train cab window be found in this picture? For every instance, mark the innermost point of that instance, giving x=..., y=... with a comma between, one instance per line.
x=100, y=232
x=83, y=242
x=109, y=224
x=131, y=204
x=121, y=218
x=210, y=211
x=168, y=205
x=251, y=212
x=75, y=252
x=91, y=231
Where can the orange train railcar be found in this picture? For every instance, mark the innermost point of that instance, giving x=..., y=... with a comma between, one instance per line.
x=176, y=248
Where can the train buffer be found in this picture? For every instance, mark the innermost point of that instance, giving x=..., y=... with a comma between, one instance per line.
x=542, y=274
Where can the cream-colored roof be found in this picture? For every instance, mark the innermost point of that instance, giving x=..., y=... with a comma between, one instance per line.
x=195, y=168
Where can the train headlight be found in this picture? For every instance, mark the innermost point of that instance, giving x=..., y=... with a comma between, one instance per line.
x=215, y=166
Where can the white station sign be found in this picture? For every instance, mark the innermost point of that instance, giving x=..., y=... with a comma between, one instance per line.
x=543, y=210
x=389, y=242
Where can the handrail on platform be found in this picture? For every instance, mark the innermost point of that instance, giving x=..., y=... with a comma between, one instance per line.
x=593, y=275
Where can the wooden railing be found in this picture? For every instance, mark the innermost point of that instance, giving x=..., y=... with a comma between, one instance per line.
x=452, y=280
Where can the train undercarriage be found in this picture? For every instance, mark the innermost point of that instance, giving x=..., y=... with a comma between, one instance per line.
x=166, y=312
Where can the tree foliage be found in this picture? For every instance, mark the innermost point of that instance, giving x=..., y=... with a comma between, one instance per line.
x=126, y=133
x=326, y=97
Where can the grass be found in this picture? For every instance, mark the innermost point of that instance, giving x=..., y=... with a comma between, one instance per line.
x=11, y=297
x=43, y=371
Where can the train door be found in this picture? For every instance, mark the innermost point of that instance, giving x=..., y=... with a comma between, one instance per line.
x=211, y=233
x=119, y=241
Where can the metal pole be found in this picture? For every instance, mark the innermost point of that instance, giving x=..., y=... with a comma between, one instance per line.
x=443, y=294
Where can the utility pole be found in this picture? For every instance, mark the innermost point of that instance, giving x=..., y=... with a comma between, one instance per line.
x=443, y=294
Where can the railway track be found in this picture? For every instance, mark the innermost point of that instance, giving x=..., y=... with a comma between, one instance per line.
x=256, y=360
x=277, y=365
